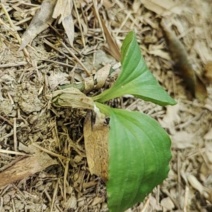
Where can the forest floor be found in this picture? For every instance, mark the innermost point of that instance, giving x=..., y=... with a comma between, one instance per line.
x=29, y=123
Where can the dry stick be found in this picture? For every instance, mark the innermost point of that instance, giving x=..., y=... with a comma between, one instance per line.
x=56, y=62
x=17, y=35
x=49, y=152
x=186, y=197
x=179, y=167
x=6, y=120
x=145, y=205
x=123, y=24
x=80, y=26
x=15, y=135
x=72, y=54
x=23, y=21
x=64, y=179
x=54, y=195
x=52, y=46
x=12, y=64
x=98, y=17
x=11, y=152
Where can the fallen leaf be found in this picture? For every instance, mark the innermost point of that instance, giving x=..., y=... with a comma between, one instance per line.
x=26, y=166
x=208, y=71
x=96, y=145
x=98, y=80
x=200, y=89
x=101, y=76
x=113, y=46
x=56, y=79
x=194, y=83
x=63, y=10
x=41, y=21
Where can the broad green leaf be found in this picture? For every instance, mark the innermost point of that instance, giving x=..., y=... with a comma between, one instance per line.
x=139, y=155
x=135, y=77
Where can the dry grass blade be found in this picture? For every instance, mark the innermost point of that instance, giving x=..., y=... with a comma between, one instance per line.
x=41, y=20
x=113, y=47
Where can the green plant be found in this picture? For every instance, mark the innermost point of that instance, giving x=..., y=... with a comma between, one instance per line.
x=138, y=148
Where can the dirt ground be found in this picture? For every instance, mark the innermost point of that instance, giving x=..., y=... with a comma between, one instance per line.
x=29, y=123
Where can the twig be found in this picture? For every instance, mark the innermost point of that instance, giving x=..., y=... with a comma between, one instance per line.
x=80, y=26
x=49, y=152
x=6, y=120
x=52, y=46
x=59, y=63
x=98, y=17
x=15, y=135
x=12, y=64
x=11, y=152
x=72, y=54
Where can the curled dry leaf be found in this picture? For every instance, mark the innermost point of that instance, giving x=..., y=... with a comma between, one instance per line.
x=195, y=84
x=101, y=76
x=96, y=137
x=72, y=97
x=98, y=80
x=63, y=9
x=50, y=10
x=41, y=21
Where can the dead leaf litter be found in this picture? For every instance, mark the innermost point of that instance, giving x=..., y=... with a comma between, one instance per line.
x=54, y=55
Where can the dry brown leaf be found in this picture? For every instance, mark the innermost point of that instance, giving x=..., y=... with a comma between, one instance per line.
x=113, y=46
x=200, y=89
x=72, y=97
x=182, y=64
x=208, y=71
x=96, y=145
x=41, y=21
x=98, y=80
x=63, y=9
x=26, y=166
x=101, y=76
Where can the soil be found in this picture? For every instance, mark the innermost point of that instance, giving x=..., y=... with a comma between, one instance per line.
x=30, y=123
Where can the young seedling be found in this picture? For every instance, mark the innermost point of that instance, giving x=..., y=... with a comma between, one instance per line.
x=132, y=154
